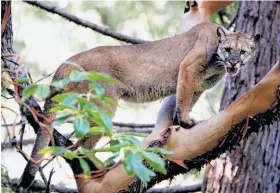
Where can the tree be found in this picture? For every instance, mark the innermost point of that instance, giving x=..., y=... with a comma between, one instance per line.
x=219, y=127
x=254, y=166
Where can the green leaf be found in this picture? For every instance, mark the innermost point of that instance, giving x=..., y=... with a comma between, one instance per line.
x=139, y=169
x=107, y=122
x=77, y=76
x=29, y=91
x=70, y=155
x=60, y=120
x=61, y=83
x=22, y=79
x=81, y=126
x=96, y=131
x=127, y=163
x=86, y=107
x=114, y=148
x=110, y=101
x=95, y=117
x=132, y=139
x=98, y=89
x=59, y=98
x=159, y=150
x=43, y=90
x=94, y=76
x=61, y=107
x=155, y=161
x=94, y=159
x=67, y=98
x=85, y=167
x=110, y=160
x=54, y=149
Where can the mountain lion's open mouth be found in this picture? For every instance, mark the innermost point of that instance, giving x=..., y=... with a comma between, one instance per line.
x=232, y=70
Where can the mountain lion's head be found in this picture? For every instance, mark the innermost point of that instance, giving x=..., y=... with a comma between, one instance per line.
x=235, y=49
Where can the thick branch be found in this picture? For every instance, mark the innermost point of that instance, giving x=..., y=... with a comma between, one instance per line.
x=205, y=141
x=37, y=186
x=100, y=29
x=177, y=189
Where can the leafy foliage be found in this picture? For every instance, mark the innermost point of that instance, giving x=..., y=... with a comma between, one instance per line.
x=90, y=114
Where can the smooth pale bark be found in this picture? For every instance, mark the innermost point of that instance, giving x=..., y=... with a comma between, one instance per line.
x=189, y=143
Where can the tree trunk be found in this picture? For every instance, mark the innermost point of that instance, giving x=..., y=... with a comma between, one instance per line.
x=255, y=165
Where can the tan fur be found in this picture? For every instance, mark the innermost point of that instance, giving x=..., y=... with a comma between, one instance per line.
x=195, y=15
x=150, y=71
x=202, y=12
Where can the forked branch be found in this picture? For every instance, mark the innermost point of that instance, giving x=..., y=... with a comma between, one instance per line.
x=197, y=146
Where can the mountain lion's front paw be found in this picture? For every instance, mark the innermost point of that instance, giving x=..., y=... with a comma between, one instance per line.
x=188, y=124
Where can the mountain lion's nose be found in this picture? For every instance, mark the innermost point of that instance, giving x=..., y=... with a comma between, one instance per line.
x=233, y=62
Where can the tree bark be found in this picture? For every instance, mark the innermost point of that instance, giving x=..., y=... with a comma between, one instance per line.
x=11, y=62
x=255, y=165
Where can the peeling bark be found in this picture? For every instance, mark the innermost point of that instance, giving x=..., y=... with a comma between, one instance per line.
x=204, y=141
x=255, y=165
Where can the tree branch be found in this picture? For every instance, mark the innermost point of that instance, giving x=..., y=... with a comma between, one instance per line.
x=250, y=113
x=177, y=189
x=37, y=186
x=100, y=29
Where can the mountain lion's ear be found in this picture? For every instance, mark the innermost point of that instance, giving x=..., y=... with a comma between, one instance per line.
x=187, y=7
x=221, y=34
x=256, y=38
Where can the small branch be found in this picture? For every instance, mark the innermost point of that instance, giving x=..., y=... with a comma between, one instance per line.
x=117, y=124
x=232, y=22
x=43, y=78
x=37, y=186
x=177, y=189
x=100, y=29
x=133, y=125
x=48, y=190
x=21, y=135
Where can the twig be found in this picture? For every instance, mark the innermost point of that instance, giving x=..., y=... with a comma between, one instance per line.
x=21, y=135
x=44, y=77
x=48, y=162
x=49, y=181
x=43, y=175
x=38, y=186
x=7, y=97
x=232, y=22
x=100, y=29
x=6, y=145
x=7, y=129
x=177, y=189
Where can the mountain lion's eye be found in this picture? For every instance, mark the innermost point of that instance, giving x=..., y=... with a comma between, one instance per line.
x=242, y=52
x=227, y=49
